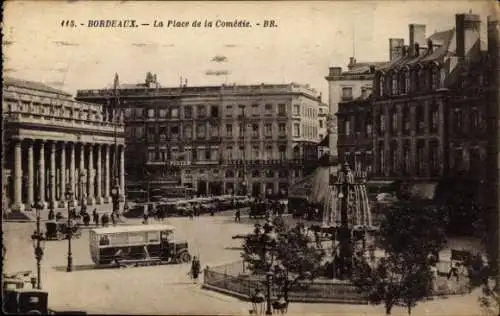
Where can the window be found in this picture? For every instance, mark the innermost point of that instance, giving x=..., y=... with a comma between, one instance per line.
x=255, y=130
x=241, y=152
x=151, y=113
x=269, y=108
x=188, y=132
x=282, y=128
x=207, y=154
x=394, y=88
x=195, y=155
x=151, y=155
x=188, y=112
x=139, y=113
x=281, y=109
x=347, y=126
x=162, y=113
x=282, y=152
x=434, y=117
x=139, y=132
x=163, y=133
x=321, y=123
x=475, y=120
x=214, y=130
x=214, y=111
x=268, y=129
x=229, y=153
x=381, y=85
x=296, y=153
x=174, y=113
x=201, y=111
x=174, y=131
x=200, y=130
x=394, y=158
x=270, y=174
x=296, y=130
x=394, y=122
x=442, y=77
x=402, y=82
x=381, y=158
x=296, y=109
x=128, y=113
x=434, y=157
x=151, y=134
x=406, y=121
x=255, y=109
x=368, y=125
x=457, y=121
x=229, y=110
x=229, y=174
x=406, y=158
x=268, y=152
x=381, y=123
x=255, y=174
x=420, y=119
x=214, y=154
x=420, y=157
x=346, y=93
x=435, y=78
x=457, y=158
x=229, y=130
x=283, y=173
x=255, y=152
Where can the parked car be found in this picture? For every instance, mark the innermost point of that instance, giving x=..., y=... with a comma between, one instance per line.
x=59, y=230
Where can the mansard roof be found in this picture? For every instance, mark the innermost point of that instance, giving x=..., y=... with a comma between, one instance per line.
x=441, y=42
x=33, y=85
x=364, y=67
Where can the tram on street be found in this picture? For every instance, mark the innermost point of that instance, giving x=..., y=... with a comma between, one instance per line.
x=137, y=245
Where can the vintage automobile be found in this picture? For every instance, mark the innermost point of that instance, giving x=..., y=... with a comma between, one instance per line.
x=258, y=210
x=137, y=245
x=58, y=230
x=25, y=301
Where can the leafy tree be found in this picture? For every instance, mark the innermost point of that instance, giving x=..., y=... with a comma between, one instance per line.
x=412, y=234
x=288, y=252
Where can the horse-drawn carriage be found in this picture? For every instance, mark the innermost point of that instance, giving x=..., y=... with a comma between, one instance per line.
x=59, y=230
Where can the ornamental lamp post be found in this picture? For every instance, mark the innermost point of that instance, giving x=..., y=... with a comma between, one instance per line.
x=38, y=240
x=68, y=194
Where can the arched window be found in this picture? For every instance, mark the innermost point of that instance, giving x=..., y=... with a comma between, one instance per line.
x=402, y=81
x=434, y=77
x=394, y=87
x=442, y=77
x=381, y=85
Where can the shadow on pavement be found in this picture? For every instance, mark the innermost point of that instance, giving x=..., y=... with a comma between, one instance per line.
x=83, y=267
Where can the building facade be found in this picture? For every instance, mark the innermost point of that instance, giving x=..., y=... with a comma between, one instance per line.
x=52, y=141
x=355, y=82
x=427, y=115
x=218, y=139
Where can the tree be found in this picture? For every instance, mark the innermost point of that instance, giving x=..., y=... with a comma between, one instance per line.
x=412, y=234
x=292, y=256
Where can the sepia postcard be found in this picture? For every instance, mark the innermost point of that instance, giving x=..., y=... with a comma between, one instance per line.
x=250, y=157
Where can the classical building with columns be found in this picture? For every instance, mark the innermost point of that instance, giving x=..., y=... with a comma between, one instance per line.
x=52, y=141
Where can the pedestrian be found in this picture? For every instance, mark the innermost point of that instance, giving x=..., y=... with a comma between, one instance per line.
x=86, y=219
x=237, y=216
x=453, y=271
x=113, y=218
x=59, y=216
x=95, y=215
x=105, y=220
x=145, y=217
x=52, y=216
x=257, y=300
x=195, y=269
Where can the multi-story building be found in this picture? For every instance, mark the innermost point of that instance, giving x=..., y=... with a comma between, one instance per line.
x=323, y=129
x=52, y=141
x=217, y=139
x=426, y=116
x=355, y=82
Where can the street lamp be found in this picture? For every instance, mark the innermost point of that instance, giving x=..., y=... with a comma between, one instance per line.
x=268, y=239
x=38, y=240
x=345, y=251
x=68, y=194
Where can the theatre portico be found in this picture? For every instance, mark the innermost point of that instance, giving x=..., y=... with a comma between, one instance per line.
x=52, y=140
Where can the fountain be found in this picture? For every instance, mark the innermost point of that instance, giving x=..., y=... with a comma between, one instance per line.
x=347, y=217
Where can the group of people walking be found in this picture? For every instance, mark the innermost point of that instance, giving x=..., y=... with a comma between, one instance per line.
x=83, y=217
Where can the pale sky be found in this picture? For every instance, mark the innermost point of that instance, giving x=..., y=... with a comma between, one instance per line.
x=310, y=37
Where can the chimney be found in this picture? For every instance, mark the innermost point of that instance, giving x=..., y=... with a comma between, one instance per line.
x=468, y=35
x=417, y=35
x=395, y=48
x=430, y=46
x=335, y=71
x=416, y=50
x=352, y=62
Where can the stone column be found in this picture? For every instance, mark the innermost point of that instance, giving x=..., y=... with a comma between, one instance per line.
x=52, y=174
x=62, y=172
x=72, y=163
x=90, y=176
x=98, y=194
x=41, y=170
x=81, y=175
x=18, y=176
x=122, y=173
x=106, y=174
x=31, y=176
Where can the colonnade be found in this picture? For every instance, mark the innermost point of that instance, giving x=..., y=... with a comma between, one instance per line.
x=42, y=169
